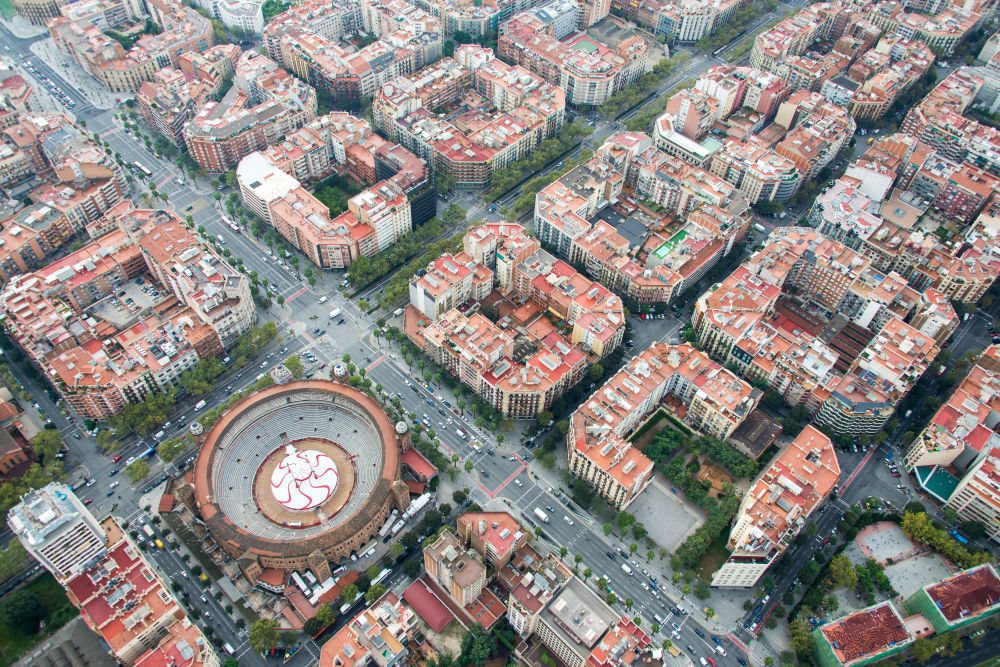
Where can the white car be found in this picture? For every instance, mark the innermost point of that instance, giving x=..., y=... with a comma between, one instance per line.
x=568, y=520
x=518, y=482
x=114, y=484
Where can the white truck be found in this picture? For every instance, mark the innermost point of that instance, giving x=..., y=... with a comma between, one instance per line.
x=335, y=313
x=199, y=405
x=626, y=569
x=146, y=529
x=542, y=516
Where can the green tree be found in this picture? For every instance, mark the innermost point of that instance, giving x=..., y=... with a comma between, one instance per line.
x=22, y=610
x=922, y=650
x=325, y=615
x=374, y=593
x=587, y=573
x=138, y=470
x=842, y=572
x=349, y=593
x=263, y=635
x=802, y=641
x=477, y=646
x=610, y=598
x=396, y=550
x=294, y=365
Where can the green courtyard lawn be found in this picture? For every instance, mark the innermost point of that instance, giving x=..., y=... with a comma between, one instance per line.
x=58, y=612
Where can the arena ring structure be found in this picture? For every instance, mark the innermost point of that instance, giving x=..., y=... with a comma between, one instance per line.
x=299, y=475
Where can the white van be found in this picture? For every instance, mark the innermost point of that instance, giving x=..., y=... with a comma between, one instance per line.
x=721, y=651
x=626, y=569
x=323, y=299
x=221, y=238
x=229, y=649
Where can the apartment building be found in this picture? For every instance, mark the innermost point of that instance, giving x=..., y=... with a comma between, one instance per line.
x=106, y=577
x=56, y=529
x=455, y=569
x=264, y=104
x=448, y=282
x=818, y=131
x=777, y=506
x=712, y=400
x=105, y=14
x=385, y=208
x=216, y=292
x=586, y=70
x=495, y=536
x=330, y=20
x=531, y=581
x=378, y=635
x=573, y=622
x=38, y=12
x=760, y=173
x=174, y=96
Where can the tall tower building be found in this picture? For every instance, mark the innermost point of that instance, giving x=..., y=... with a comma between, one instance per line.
x=593, y=11
x=56, y=528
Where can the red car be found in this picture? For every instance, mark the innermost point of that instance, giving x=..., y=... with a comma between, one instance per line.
x=710, y=661
x=117, y=459
x=895, y=473
x=88, y=501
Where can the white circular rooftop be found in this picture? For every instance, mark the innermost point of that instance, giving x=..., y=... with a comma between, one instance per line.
x=303, y=480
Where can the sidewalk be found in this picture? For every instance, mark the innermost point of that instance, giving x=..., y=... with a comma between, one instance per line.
x=23, y=29
x=85, y=84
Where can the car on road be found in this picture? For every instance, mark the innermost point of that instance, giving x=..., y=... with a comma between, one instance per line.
x=699, y=633
x=485, y=474
x=114, y=471
x=114, y=484
x=611, y=555
x=518, y=482
x=110, y=493
x=76, y=436
x=88, y=501
x=117, y=458
x=91, y=482
x=568, y=520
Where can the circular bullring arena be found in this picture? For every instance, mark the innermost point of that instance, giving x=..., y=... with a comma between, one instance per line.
x=299, y=473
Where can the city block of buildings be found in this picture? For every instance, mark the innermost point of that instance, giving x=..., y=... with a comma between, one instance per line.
x=559, y=321
x=400, y=194
x=69, y=185
x=640, y=221
x=679, y=378
x=469, y=116
x=814, y=321
x=119, y=71
x=103, y=340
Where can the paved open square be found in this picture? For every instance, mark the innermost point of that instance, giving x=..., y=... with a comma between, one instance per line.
x=911, y=574
x=668, y=519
